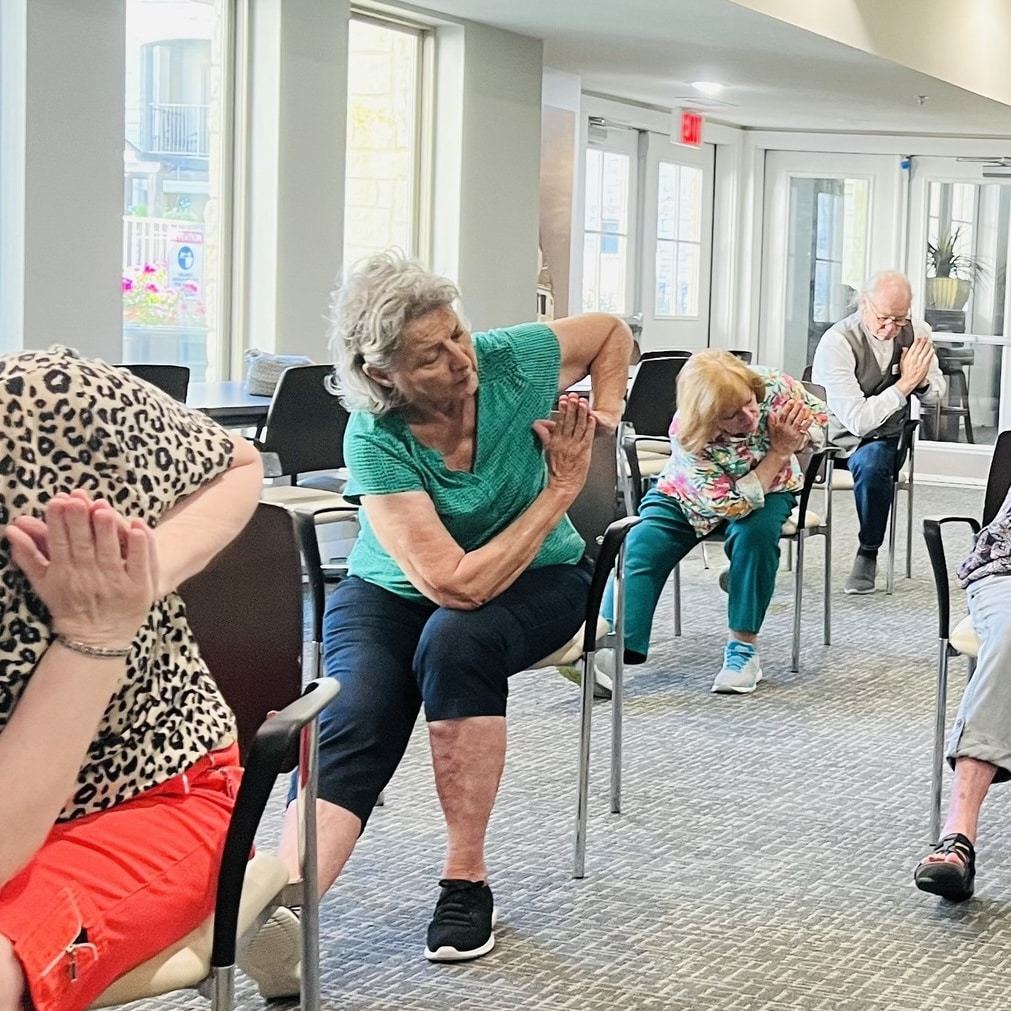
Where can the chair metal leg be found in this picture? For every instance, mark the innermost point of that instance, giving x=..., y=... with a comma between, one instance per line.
x=890, y=583
x=309, y=764
x=677, y=599
x=798, y=594
x=583, y=785
x=937, y=768
x=381, y=799
x=222, y=987
x=705, y=556
x=618, y=682
x=909, y=528
x=789, y=555
x=827, y=621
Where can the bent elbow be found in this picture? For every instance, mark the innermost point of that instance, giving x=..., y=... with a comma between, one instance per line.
x=458, y=595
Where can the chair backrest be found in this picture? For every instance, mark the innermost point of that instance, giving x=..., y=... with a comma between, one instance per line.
x=245, y=609
x=171, y=379
x=652, y=399
x=668, y=353
x=806, y=376
x=306, y=422
x=597, y=504
x=1000, y=477
x=745, y=356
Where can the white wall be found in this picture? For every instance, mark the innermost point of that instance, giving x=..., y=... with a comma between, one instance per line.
x=295, y=206
x=485, y=216
x=963, y=42
x=73, y=181
x=13, y=17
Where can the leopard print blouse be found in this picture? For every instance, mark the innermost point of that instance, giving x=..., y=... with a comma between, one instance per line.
x=66, y=423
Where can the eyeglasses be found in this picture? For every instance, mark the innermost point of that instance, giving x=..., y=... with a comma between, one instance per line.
x=899, y=321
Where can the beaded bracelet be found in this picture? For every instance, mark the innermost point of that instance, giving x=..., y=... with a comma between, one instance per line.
x=95, y=651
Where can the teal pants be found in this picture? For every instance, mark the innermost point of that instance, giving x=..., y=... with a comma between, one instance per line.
x=665, y=536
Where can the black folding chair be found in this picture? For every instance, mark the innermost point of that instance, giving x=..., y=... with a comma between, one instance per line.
x=171, y=379
x=245, y=609
x=962, y=640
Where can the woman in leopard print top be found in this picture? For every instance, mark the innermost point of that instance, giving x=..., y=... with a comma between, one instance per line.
x=119, y=770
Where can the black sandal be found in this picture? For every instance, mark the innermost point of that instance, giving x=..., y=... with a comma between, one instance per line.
x=950, y=880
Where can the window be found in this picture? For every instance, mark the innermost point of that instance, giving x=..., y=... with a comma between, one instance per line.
x=383, y=138
x=606, y=231
x=174, y=217
x=678, y=240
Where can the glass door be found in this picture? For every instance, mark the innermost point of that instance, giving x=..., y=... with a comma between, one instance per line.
x=830, y=222
x=960, y=234
x=677, y=229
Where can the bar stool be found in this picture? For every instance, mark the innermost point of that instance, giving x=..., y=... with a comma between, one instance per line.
x=952, y=362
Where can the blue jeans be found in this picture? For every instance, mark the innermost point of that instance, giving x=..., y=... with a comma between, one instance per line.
x=392, y=654
x=872, y=464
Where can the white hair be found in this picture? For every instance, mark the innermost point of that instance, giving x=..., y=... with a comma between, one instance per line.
x=883, y=279
x=377, y=298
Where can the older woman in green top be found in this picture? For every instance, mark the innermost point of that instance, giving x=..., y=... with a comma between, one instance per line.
x=467, y=569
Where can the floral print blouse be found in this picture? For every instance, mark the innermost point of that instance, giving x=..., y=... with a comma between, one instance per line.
x=717, y=483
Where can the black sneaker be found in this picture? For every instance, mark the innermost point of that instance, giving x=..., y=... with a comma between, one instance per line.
x=463, y=925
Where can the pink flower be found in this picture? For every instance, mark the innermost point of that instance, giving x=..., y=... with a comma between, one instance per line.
x=150, y=268
x=127, y=284
x=153, y=288
x=191, y=287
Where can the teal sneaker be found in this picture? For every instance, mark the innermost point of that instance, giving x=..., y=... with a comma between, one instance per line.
x=741, y=670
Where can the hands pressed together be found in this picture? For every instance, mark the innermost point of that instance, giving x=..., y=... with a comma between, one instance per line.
x=568, y=442
x=95, y=570
x=788, y=427
x=914, y=364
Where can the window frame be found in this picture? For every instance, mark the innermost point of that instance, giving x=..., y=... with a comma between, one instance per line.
x=424, y=118
x=624, y=143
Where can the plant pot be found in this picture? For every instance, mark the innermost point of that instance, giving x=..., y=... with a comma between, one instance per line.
x=947, y=292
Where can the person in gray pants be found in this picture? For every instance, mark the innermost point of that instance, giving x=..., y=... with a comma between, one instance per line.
x=979, y=748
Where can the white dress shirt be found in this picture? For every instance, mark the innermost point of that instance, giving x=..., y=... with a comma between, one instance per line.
x=834, y=368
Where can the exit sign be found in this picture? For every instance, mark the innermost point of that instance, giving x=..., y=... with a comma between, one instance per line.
x=687, y=127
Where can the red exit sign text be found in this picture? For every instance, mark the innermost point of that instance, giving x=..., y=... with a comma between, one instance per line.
x=688, y=127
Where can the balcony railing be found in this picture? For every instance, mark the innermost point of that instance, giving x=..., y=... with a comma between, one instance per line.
x=149, y=240
x=175, y=130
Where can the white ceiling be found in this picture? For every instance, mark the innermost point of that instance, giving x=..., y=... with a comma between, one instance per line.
x=777, y=76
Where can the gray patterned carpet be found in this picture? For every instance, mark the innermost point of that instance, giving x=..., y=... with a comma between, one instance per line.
x=765, y=852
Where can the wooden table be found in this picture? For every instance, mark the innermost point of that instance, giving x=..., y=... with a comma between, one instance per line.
x=228, y=403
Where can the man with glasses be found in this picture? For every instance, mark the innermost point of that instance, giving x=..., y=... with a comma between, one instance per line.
x=870, y=364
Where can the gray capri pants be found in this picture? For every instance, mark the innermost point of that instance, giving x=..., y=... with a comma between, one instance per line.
x=982, y=728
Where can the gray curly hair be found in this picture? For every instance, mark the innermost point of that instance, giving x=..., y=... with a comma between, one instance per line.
x=377, y=298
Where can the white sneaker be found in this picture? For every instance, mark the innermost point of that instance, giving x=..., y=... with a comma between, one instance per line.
x=741, y=670
x=603, y=671
x=273, y=958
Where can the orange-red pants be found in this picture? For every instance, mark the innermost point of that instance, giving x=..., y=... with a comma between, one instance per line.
x=110, y=890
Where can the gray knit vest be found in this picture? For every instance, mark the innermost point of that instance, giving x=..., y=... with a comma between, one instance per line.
x=871, y=379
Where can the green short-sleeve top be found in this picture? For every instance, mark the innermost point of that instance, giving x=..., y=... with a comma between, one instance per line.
x=518, y=371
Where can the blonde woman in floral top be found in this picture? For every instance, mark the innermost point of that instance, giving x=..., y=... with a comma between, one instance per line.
x=733, y=467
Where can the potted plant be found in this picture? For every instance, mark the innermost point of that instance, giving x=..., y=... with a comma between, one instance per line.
x=950, y=274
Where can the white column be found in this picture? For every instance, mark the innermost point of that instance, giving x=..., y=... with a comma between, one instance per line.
x=73, y=174
x=296, y=187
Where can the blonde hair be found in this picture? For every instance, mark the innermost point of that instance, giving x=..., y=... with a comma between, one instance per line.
x=712, y=383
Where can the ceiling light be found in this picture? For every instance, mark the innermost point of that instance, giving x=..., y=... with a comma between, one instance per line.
x=708, y=88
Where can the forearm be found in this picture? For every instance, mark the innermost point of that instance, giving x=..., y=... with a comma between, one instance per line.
x=769, y=468
x=195, y=530
x=609, y=373
x=473, y=578
x=44, y=744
